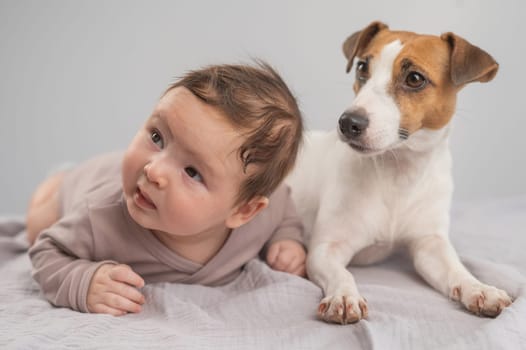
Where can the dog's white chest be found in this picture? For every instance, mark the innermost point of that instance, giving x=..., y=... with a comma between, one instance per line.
x=375, y=203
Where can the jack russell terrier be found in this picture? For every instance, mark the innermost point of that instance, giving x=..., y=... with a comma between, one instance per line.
x=383, y=179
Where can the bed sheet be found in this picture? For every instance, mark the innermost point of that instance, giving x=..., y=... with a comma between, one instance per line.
x=265, y=309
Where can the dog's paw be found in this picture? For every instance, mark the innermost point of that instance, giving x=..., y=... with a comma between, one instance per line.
x=481, y=299
x=342, y=309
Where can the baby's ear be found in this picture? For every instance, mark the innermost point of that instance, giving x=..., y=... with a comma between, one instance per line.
x=243, y=213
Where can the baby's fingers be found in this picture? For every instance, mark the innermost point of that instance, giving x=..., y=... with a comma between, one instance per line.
x=127, y=292
x=285, y=262
x=105, y=309
x=119, y=302
x=299, y=271
x=272, y=254
x=124, y=274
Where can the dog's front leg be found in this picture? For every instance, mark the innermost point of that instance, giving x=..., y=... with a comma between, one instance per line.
x=326, y=266
x=437, y=262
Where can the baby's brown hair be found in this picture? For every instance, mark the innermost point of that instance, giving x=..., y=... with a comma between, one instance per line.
x=256, y=100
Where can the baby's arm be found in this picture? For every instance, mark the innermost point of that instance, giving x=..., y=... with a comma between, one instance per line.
x=285, y=250
x=63, y=266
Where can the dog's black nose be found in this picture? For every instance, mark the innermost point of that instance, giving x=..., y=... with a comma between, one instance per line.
x=352, y=124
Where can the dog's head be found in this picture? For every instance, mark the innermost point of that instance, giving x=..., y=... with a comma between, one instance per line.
x=406, y=82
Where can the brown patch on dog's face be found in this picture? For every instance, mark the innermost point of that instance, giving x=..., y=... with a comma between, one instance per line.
x=422, y=86
x=421, y=80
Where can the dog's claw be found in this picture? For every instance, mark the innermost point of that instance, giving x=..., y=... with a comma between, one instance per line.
x=363, y=308
x=321, y=308
x=343, y=310
x=481, y=299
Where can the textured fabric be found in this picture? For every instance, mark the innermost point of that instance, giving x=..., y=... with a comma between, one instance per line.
x=266, y=309
x=96, y=229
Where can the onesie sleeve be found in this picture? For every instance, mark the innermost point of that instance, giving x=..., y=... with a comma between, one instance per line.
x=289, y=224
x=62, y=260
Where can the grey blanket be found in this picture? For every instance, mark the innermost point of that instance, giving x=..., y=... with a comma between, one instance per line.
x=265, y=309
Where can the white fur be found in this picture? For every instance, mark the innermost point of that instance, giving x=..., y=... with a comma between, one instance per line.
x=385, y=115
x=360, y=208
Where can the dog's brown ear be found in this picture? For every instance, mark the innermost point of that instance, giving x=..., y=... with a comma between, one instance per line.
x=359, y=40
x=468, y=62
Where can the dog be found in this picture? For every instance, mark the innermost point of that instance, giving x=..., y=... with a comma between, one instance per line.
x=382, y=180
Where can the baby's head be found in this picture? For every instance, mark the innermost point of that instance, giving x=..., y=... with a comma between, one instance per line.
x=219, y=142
x=258, y=103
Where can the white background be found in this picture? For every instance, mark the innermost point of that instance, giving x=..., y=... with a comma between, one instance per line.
x=78, y=78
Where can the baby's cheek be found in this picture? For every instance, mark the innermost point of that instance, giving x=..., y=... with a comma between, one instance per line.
x=129, y=171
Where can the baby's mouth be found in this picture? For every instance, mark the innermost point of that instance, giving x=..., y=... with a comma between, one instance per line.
x=143, y=200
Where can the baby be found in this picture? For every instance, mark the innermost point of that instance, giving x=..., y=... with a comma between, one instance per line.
x=196, y=195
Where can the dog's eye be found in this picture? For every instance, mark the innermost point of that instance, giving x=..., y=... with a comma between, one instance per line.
x=415, y=80
x=362, y=71
x=361, y=66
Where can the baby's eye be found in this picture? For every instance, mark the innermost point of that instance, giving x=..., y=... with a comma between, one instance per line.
x=194, y=174
x=157, y=138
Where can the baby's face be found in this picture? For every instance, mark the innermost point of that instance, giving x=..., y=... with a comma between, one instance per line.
x=181, y=173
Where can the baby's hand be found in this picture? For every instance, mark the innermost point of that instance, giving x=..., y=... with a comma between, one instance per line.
x=288, y=256
x=112, y=290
